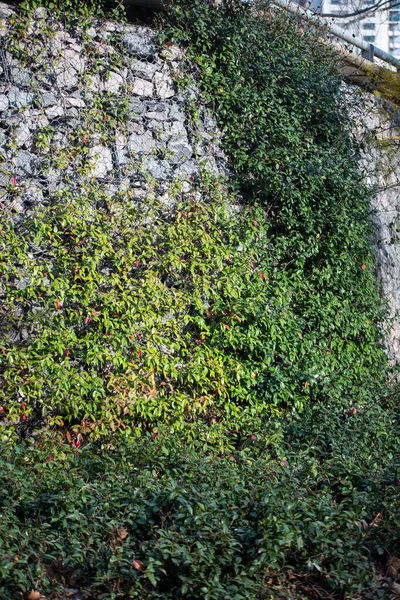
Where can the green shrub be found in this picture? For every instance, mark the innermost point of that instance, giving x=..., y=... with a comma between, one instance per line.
x=212, y=376
x=138, y=316
x=158, y=519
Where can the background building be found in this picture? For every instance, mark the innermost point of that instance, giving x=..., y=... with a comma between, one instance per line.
x=380, y=26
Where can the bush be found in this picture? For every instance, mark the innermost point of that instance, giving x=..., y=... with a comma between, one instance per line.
x=204, y=392
x=159, y=519
x=231, y=306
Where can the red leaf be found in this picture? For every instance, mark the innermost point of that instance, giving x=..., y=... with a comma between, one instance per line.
x=262, y=276
x=13, y=181
x=67, y=352
x=58, y=304
x=138, y=564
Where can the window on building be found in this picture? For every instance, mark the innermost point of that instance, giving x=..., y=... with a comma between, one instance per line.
x=369, y=38
x=368, y=25
x=394, y=15
x=369, y=2
x=336, y=1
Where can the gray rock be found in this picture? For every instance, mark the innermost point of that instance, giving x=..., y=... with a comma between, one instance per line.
x=34, y=119
x=27, y=164
x=3, y=27
x=114, y=82
x=91, y=32
x=158, y=169
x=187, y=169
x=157, y=116
x=21, y=76
x=181, y=150
x=17, y=205
x=5, y=176
x=144, y=69
x=164, y=86
x=141, y=87
x=176, y=129
x=134, y=127
x=139, y=41
x=72, y=101
x=47, y=99
x=6, y=11
x=176, y=113
x=3, y=102
x=72, y=113
x=172, y=53
x=18, y=98
x=32, y=194
x=22, y=135
x=53, y=112
x=136, y=108
x=68, y=68
x=101, y=161
x=141, y=144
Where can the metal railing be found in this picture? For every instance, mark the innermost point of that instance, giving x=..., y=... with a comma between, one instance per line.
x=368, y=51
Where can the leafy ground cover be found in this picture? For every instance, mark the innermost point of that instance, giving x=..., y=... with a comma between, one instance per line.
x=202, y=408
x=160, y=519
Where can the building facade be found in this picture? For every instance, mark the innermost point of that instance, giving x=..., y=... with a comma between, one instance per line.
x=379, y=27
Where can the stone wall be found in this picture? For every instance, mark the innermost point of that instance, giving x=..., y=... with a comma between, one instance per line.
x=379, y=130
x=103, y=105
x=106, y=108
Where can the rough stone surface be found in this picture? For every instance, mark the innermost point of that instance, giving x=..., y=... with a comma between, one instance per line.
x=142, y=144
x=379, y=127
x=47, y=99
x=140, y=41
x=3, y=102
x=101, y=161
x=164, y=85
x=114, y=82
x=141, y=87
x=19, y=98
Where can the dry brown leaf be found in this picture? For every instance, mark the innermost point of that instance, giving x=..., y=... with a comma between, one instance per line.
x=393, y=567
x=34, y=595
x=376, y=521
x=138, y=564
x=122, y=534
x=395, y=589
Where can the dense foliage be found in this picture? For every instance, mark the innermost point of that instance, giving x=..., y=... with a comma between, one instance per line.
x=227, y=353
x=136, y=316
x=158, y=519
